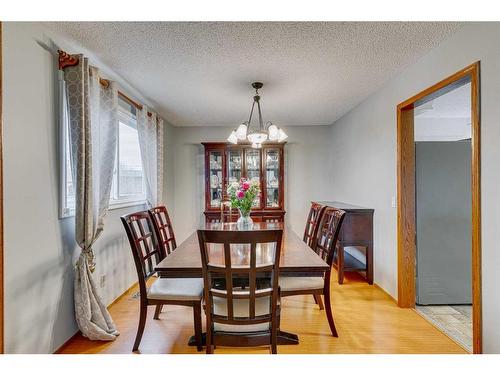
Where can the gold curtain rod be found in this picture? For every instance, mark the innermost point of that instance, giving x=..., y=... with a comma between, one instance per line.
x=65, y=60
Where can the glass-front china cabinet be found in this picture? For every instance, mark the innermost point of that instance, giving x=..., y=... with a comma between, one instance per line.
x=225, y=163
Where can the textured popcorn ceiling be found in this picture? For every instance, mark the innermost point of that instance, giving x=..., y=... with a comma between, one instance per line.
x=199, y=73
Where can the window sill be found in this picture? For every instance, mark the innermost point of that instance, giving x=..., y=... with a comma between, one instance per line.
x=112, y=206
x=66, y=214
x=118, y=205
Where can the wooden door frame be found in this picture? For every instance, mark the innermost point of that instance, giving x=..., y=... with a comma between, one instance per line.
x=406, y=196
x=1, y=202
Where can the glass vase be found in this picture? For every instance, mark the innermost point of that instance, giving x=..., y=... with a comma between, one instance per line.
x=244, y=221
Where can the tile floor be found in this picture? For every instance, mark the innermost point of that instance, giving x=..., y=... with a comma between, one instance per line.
x=454, y=320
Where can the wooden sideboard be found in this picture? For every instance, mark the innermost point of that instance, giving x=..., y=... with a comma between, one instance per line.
x=355, y=240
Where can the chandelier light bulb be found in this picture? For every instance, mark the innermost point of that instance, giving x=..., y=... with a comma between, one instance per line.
x=241, y=132
x=233, y=138
x=282, y=136
x=273, y=132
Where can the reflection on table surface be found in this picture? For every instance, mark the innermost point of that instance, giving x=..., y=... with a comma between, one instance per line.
x=234, y=226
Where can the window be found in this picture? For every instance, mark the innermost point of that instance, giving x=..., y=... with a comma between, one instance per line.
x=128, y=186
x=67, y=183
x=128, y=179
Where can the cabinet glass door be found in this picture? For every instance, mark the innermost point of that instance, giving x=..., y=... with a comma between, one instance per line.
x=252, y=166
x=234, y=165
x=272, y=176
x=216, y=177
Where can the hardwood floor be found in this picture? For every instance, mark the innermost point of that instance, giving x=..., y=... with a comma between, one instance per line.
x=367, y=319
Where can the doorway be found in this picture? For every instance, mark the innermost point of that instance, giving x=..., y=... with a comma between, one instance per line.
x=443, y=197
x=439, y=204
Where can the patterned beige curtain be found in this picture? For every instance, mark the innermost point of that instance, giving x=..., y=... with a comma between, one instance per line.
x=93, y=116
x=150, y=129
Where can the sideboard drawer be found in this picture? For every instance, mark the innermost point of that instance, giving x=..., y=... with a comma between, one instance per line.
x=356, y=227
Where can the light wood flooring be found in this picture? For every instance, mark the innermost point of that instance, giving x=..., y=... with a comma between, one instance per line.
x=367, y=319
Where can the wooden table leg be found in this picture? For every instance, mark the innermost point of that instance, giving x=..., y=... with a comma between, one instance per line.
x=287, y=338
x=192, y=340
x=284, y=338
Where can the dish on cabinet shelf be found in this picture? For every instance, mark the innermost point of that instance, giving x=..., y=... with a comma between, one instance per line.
x=214, y=181
x=236, y=163
x=216, y=162
x=255, y=179
x=273, y=183
x=252, y=164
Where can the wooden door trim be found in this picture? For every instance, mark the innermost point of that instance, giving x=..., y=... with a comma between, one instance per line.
x=1, y=201
x=406, y=196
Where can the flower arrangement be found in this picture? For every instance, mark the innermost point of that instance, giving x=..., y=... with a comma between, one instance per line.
x=242, y=195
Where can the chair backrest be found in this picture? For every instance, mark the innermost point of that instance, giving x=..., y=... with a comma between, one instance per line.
x=145, y=249
x=163, y=229
x=230, y=258
x=311, y=230
x=328, y=234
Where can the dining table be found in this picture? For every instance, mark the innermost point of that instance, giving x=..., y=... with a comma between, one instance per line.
x=296, y=259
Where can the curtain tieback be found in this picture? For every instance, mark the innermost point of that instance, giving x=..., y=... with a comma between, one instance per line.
x=89, y=253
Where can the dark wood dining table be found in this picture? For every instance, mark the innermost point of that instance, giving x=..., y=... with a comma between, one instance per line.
x=297, y=259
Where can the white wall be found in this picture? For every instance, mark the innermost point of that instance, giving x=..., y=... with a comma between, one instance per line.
x=40, y=249
x=364, y=157
x=306, y=157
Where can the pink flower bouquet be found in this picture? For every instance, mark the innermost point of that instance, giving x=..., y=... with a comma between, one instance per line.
x=242, y=195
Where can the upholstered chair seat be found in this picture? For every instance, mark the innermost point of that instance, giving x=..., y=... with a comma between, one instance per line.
x=183, y=289
x=240, y=307
x=292, y=284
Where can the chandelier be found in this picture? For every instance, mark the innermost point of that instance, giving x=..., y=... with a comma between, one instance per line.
x=261, y=134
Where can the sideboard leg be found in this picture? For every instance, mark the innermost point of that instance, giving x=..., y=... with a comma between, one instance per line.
x=369, y=264
x=340, y=265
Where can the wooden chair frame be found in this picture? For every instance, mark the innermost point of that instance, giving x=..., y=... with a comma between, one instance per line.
x=152, y=249
x=310, y=234
x=313, y=219
x=165, y=235
x=228, y=273
x=163, y=228
x=325, y=245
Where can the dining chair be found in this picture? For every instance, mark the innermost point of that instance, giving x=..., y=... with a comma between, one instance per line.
x=147, y=254
x=246, y=315
x=311, y=229
x=325, y=246
x=165, y=235
x=310, y=234
x=163, y=228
